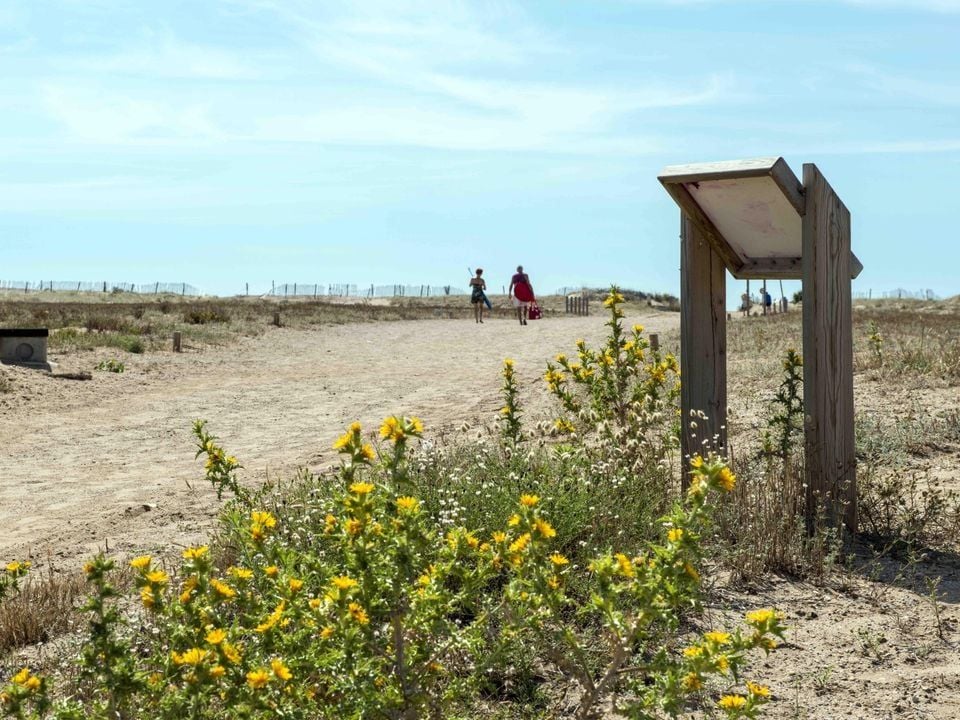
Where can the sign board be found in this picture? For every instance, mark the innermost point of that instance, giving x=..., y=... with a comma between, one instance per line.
x=749, y=210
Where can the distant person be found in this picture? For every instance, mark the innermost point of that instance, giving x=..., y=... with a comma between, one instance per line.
x=745, y=304
x=522, y=292
x=477, y=295
x=767, y=302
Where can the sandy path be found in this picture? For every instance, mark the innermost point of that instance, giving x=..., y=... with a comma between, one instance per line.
x=80, y=460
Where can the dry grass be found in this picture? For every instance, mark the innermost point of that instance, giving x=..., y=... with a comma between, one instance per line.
x=43, y=609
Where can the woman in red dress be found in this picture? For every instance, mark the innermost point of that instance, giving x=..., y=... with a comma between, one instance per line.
x=522, y=292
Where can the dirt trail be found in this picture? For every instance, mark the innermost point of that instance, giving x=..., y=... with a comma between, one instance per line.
x=81, y=461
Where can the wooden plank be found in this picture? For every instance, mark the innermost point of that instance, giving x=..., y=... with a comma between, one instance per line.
x=697, y=172
x=770, y=269
x=827, y=356
x=692, y=210
x=789, y=185
x=703, y=343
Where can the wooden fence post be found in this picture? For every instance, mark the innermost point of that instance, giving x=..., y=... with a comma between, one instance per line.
x=655, y=342
x=276, y=319
x=177, y=337
x=831, y=469
x=703, y=344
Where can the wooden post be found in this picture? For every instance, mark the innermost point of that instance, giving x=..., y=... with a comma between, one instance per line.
x=703, y=344
x=655, y=342
x=276, y=319
x=831, y=475
x=177, y=337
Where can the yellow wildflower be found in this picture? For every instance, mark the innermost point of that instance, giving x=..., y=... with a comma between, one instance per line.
x=558, y=560
x=361, y=488
x=354, y=526
x=717, y=637
x=217, y=671
x=358, y=613
x=520, y=543
x=193, y=656
x=723, y=663
x=261, y=517
x=693, y=652
x=294, y=584
x=691, y=681
x=408, y=504
x=216, y=636
x=231, y=652
x=513, y=520
x=327, y=632
x=341, y=442
x=344, y=583
x=367, y=452
x=222, y=589
x=147, y=597
x=195, y=553
x=271, y=570
x=138, y=563
x=280, y=670
x=758, y=690
x=626, y=565
x=727, y=479
x=544, y=528
x=498, y=537
x=529, y=500
x=416, y=425
x=157, y=577
x=314, y=603
x=258, y=678
x=732, y=702
x=762, y=617
x=241, y=573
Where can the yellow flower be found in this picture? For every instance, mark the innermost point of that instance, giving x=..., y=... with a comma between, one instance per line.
x=408, y=504
x=508, y=362
x=545, y=528
x=138, y=563
x=327, y=632
x=147, y=597
x=271, y=570
x=314, y=603
x=358, y=613
x=558, y=559
x=216, y=636
x=361, y=488
x=217, y=671
x=273, y=618
x=344, y=583
x=157, y=577
x=732, y=702
x=391, y=428
x=280, y=670
x=222, y=589
x=258, y=678
x=195, y=553
x=692, y=681
x=626, y=565
x=520, y=543
x=341, y=442
x=674, y=534
x=353, y=526
x=355, y=428
x=693, y=652
x=21, y=677
x=758, y=690
x=367, y=452
x=261, y=517
x=696, y=462
x=529, y=500
x=638, y=329
x=193, y=656
x=717, y=637
x=241, y=573
x=727, y=479
x=498, y=537
x=691, y=571
x=762, y=617
x=416, y=425
x=294, y=584
x=514, y=520
x=188, y=587
x=231, y=652
x=723, y=663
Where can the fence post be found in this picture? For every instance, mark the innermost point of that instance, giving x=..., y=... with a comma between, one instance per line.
x=104, y=285
x=654, y=342
x=276, y=319
x=176, y=341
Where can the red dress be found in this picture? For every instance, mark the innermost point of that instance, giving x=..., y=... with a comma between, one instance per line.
x=521, y=288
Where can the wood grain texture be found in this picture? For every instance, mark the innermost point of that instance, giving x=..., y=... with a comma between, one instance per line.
x=827, y=356
x=703, y=341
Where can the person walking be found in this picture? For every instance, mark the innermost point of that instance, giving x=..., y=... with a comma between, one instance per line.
x=522, y=292
x=477, y=295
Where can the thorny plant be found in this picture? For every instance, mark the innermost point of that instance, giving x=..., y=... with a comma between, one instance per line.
x=786, y=419
x=375, y=611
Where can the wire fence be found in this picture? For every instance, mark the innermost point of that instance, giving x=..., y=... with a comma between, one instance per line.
x=898, y=294
x=102, y=286
x=365, y=291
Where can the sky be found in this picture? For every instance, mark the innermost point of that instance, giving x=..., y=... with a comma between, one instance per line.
x=228, y=142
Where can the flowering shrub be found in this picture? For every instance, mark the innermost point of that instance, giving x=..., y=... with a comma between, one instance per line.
x=10, y=576
x=358, y=604
x=620, y=391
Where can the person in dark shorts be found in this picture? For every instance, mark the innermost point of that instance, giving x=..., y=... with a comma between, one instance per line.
x=477, y=295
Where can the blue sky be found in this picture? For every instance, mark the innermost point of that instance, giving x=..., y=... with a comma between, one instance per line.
x=232, y=141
